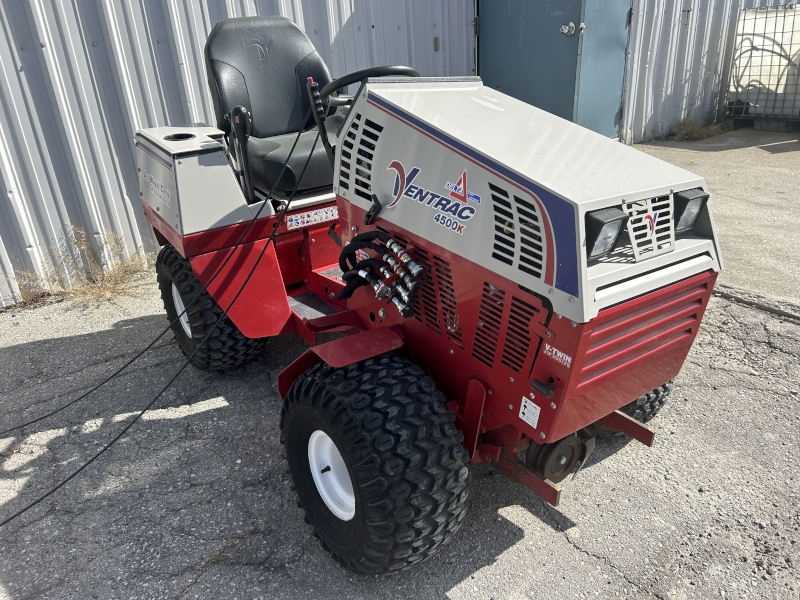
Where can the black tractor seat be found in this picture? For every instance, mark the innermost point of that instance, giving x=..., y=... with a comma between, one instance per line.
x=267, y=156
x=263, y=63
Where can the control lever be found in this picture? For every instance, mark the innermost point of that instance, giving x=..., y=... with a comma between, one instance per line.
x=376, y=207
x=319, y=117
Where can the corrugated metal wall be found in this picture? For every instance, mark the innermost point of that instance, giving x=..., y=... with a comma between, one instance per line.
x=78, y=77
x=679, y=60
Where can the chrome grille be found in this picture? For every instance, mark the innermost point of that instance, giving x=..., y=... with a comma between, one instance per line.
x=650, y=226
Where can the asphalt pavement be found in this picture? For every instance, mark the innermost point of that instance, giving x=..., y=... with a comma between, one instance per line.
x=194, y=501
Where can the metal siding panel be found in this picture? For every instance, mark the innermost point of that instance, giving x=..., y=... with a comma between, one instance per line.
x=69, y=108
x=674, y=71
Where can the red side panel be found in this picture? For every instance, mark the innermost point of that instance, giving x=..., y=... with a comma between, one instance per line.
x=262, y=309
x=625, y=351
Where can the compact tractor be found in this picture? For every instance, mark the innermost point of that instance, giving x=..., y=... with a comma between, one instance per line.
x=506, y=285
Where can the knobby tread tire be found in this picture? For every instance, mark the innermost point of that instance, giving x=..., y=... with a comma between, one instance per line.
x=642, y=409
x=403, y=453
x=647, y=406
x=227, y=347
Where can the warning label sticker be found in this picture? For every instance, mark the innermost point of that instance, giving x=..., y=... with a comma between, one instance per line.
x=312, y=217
x=529, y=412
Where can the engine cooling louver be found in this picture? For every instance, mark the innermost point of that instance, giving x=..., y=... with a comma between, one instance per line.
x=447, y=301
x=357, y=150
x=490, y=319
x=426, y=308
x=436, y=304
x=506, y=321
x=517, y=232
x=521, y=344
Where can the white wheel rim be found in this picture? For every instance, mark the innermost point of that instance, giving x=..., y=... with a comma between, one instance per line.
x=331, y=476
x=178, y=301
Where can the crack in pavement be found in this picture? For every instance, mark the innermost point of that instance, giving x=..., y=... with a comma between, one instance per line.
x=612, y=566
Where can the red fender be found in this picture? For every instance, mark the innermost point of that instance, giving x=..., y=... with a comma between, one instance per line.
x=262, y=309
x=340, y=353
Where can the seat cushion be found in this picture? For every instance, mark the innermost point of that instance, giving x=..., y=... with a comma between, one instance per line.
x=267, y=156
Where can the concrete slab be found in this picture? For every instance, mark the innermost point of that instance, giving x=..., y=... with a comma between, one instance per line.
x=754, y=180
x=194, y=501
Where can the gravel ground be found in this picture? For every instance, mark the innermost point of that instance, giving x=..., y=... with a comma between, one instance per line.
x=753, y=179
x=194, y=502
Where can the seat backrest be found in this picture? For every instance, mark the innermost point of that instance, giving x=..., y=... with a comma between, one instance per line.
x=262, y=63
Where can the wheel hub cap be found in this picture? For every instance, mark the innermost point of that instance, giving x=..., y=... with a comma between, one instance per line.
x=331, y=476
x=179, y=308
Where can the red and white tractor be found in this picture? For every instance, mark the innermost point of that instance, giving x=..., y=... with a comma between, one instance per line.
x=505, y=282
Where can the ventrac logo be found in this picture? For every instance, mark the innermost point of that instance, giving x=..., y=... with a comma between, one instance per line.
x=557, y=355
x=450, y=213
x=651, y=221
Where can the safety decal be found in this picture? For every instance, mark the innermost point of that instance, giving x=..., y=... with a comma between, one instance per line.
x=529, y=412
x=557, y=355
x=312, y=217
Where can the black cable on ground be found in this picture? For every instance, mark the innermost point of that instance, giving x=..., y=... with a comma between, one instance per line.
x=186, y=307
x=186, y=362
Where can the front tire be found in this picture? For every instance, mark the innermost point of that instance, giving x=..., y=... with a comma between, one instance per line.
x=642, y=409
x=227, y=347
x=401, y=489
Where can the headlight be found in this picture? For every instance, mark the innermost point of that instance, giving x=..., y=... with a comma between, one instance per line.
x=602, y=230
x=688, y=206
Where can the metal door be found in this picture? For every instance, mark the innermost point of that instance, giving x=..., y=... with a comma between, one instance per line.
x=564, y=56
x=522, y=52
x=601, y=66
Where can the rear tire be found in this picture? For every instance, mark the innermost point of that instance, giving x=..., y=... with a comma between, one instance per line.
x=405, y=476
x=227, y=347
x=642, y=409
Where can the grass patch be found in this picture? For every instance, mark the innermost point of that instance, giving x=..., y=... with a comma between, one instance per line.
x=691, y=131
x=82, y=274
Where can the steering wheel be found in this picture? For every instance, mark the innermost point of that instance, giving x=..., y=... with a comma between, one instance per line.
x=356, y=76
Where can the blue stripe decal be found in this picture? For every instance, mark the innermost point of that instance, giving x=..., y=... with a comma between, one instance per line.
x=560, y=212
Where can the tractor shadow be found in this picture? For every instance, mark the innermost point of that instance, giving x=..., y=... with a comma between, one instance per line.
x=202, y=476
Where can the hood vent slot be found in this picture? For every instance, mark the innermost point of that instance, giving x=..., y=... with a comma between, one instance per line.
x=356, y=151
x=504, y=245
x=518, y=237
x=530, y=230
